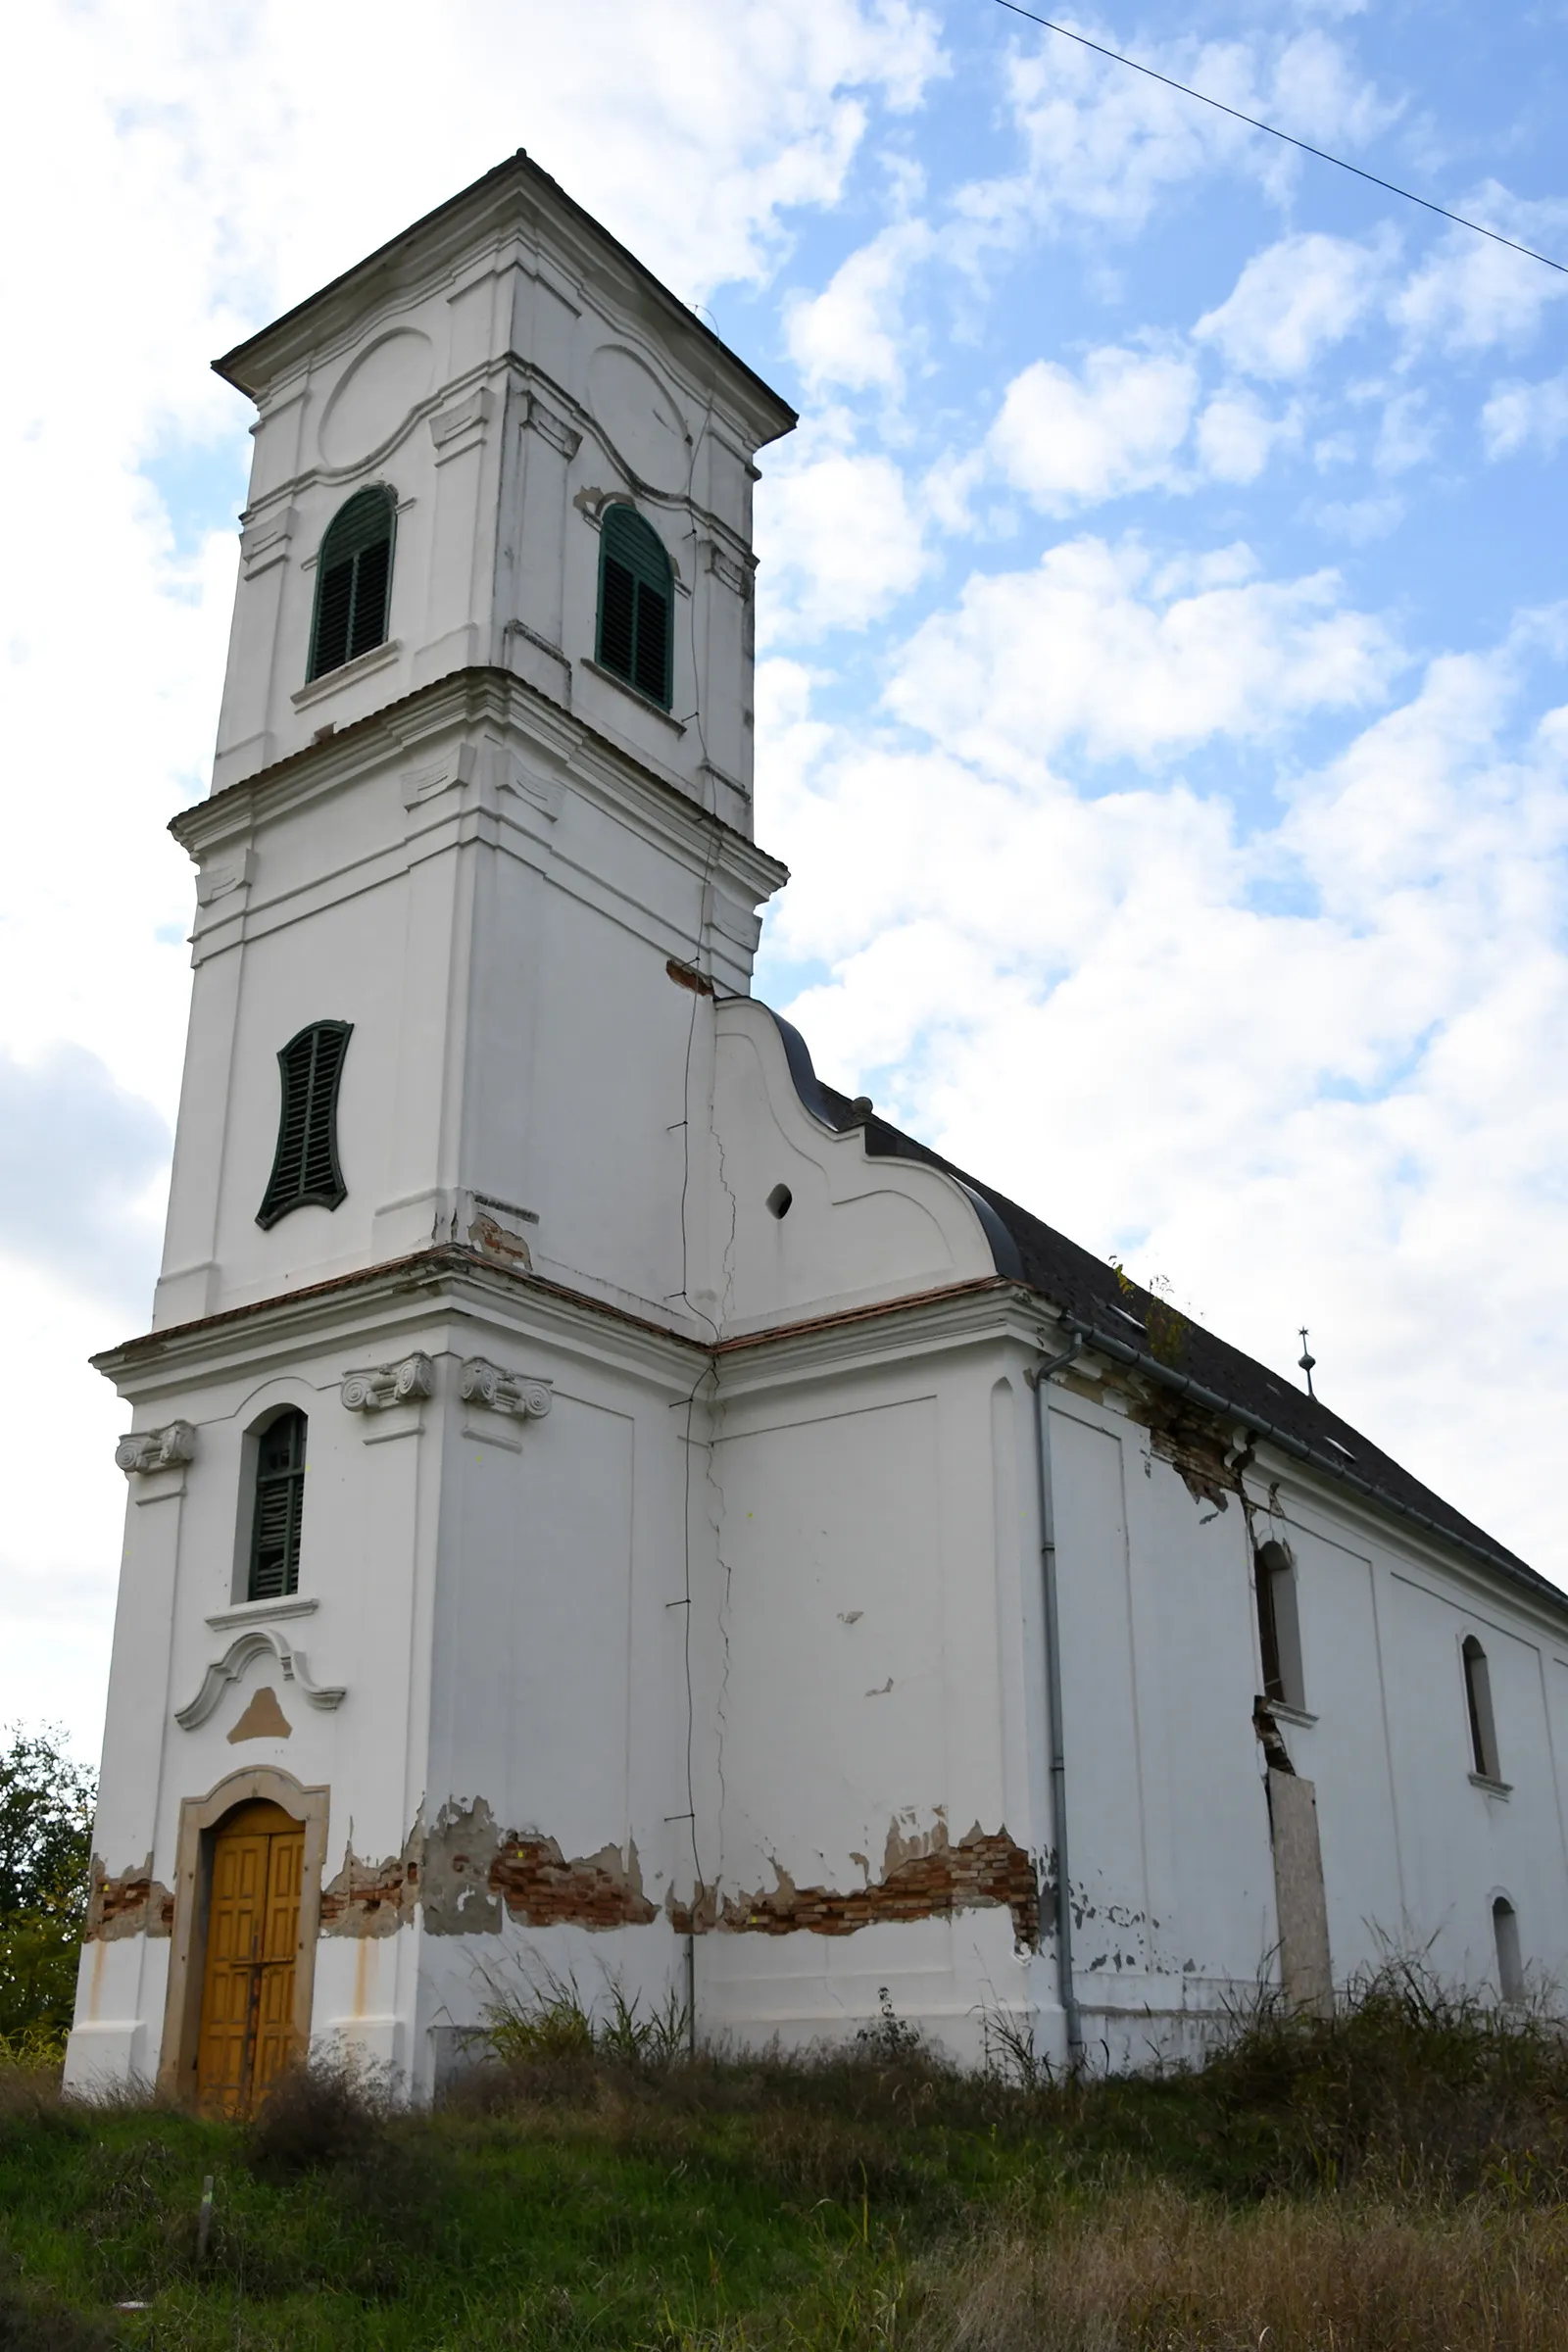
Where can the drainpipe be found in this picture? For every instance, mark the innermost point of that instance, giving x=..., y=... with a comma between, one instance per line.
x=1038, y=1379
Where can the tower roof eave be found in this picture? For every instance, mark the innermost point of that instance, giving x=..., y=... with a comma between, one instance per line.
x=517, y=188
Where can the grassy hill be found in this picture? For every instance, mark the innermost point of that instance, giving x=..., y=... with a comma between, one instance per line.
x=1396, y=2178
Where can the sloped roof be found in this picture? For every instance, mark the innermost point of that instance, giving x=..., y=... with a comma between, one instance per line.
x=1124, y=1321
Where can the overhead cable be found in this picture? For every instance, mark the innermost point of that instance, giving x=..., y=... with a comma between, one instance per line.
x=1322, y=152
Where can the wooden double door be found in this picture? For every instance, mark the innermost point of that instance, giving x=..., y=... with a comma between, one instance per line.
x=252, y=1934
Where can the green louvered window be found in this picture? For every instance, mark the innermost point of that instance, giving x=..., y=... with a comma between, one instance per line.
x=352, y=580
x=305, y=1166
x=636, y=602
x=279, y=1509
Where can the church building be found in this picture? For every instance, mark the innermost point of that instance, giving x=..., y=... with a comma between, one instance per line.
x=602, y=1503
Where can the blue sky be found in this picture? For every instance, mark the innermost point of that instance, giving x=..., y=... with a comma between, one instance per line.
x=1162, y=620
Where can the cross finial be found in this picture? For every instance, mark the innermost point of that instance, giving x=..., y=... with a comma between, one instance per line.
x=1306, y=1359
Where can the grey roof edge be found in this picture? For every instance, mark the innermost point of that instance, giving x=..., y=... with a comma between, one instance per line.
x=809, y=1087
x=1248, y=1417
x=521, y=166
x=1017, y=1238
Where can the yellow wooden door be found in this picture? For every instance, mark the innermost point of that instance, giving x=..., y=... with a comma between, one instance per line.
x=253, y=1927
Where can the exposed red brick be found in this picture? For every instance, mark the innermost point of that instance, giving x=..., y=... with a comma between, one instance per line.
x=541, y=1889
x=981, y=1872
x=132, y=1904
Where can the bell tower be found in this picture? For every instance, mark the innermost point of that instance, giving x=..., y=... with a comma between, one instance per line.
x=476, y=863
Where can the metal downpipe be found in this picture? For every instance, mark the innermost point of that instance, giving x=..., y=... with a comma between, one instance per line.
x=1066, y=1992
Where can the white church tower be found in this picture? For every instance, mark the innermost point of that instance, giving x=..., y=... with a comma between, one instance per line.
x=600, y=1500
x=477, y=853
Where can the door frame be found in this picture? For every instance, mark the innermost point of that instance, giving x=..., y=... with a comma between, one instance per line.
x=200, y=1820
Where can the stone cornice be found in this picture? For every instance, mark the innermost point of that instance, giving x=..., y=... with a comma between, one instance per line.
x=467, y=698
x=516, y=200
x=367, y=1311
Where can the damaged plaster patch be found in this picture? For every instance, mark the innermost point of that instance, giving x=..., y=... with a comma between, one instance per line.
x=923, y=1877
x=263, y=1719
x=462, y=1872
x=133, y=1904
x=373, y=1898
x=541, y=1889
x=1197, y=1446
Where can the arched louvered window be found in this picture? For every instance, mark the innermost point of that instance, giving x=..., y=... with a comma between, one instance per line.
x=278, y=1510
x=636, y=603
x=352, y=580
x=305, y=1166
x=1478, y=1700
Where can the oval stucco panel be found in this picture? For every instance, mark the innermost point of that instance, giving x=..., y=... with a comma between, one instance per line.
x=376, y=396
x=640, y=418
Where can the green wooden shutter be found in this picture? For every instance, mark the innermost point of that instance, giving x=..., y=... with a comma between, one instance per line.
x=279, y=1511
x=352, y=580
x=636, y=600
x=305, y=1164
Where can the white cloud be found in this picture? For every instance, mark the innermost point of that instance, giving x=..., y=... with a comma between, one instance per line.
x=1520, y=417
x=1359, y=520
x=837, y=537
x=1236, y=435
x=1470, y=293
x=1105, y=146
x=1067, y=440
x=1096, y=646
x=1407, y=436
x=853, y=333
x=1293, y=302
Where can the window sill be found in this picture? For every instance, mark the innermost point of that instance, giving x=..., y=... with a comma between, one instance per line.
x=1490, y=1786
x=257, y=1612
x=1286, y=1713
x=346, y=673
x=625, y=686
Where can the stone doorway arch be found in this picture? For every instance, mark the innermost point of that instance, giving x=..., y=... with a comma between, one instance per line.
x=200, y=1820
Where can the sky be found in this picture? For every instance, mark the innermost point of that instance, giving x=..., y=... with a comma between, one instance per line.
x=1162, y=617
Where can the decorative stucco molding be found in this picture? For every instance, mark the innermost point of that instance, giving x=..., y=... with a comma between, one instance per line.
x=148, y=1449
x=260, y=1640
x=556, y=430
x=724, y=567
x=464, y=423
x=499, y=1391
x=389, y=1384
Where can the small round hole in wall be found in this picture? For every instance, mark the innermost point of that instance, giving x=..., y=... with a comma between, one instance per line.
x=778, y=1201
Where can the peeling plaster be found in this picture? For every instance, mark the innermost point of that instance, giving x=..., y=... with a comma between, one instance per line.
x=461, y=1873
x=133, y=1904
x=923, y=1877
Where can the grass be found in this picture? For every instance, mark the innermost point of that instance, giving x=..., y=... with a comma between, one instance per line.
x=1397, y=2176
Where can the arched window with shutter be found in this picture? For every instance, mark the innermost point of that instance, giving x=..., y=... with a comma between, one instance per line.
x=1478, y=1702
x=277, y=1511
x=352, y=580
x=636, y=603
x=305, y=1165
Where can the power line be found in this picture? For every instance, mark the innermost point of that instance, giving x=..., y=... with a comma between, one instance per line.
x=1322, y=152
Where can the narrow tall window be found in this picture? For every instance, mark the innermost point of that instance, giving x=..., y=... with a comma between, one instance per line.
x=352, y=580
x=1510, y=1966
x=1279, y=1631
x=278, y=1510
x=1478, y=1699
x=636, y=598
x=305, y=1166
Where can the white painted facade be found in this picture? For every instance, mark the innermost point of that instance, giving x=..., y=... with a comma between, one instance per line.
x=670, y=1594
